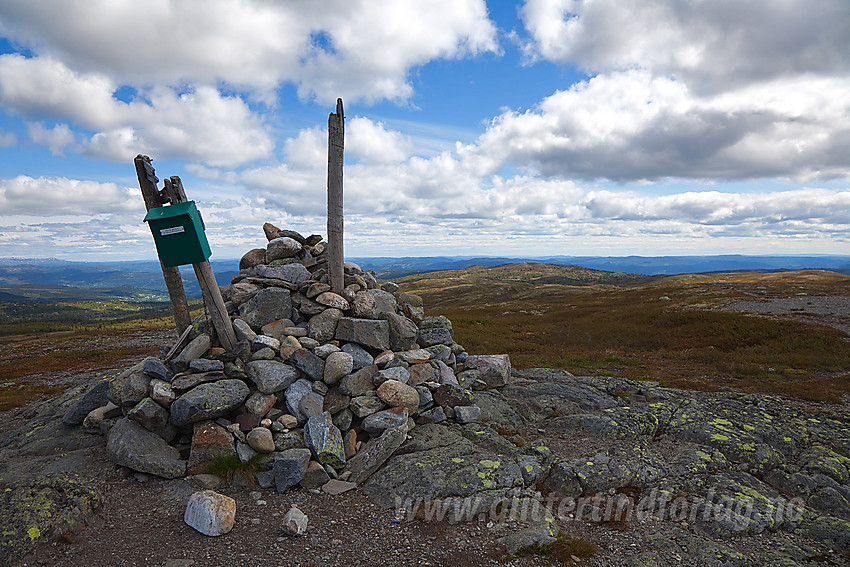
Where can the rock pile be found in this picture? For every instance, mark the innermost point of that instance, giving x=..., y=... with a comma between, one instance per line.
x=321, y=386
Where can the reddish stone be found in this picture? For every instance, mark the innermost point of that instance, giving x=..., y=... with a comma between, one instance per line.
x=209, y=440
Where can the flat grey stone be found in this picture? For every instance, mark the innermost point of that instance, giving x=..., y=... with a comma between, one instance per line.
x=294, y=394
x=208, y=401
x=359, y=355
x=293, y=273
x=375, y=453
x=366, y=332
x=267, y=306
x=154, y=418
x=128, y=444
x=289, y=468
x=94, y=398
x=271, y=376
x=308, y=363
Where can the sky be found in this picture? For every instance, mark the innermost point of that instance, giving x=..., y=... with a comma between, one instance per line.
x=534, y=128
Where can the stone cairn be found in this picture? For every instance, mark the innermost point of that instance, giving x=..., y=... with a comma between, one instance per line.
x=321, y=390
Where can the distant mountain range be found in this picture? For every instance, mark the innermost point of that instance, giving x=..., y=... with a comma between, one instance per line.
x=61, y=280
x=643, y=265
x=26, y=279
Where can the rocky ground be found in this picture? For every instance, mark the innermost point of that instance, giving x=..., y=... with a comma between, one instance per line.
x=716, y=479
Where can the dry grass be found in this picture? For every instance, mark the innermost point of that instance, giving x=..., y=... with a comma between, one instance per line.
x=667, y=329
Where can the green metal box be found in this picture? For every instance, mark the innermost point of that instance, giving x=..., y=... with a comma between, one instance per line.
x=178, y=232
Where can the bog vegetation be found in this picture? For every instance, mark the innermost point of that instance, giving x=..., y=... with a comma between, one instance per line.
x=671, y=329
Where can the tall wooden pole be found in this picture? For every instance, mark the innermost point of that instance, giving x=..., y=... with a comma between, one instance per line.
x=173, y=281
x=336, y=134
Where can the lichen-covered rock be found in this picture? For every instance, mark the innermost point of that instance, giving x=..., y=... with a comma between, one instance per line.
x=456, y=470
x=325, y=440
x=375, y=453
x=208, y=401
x=403, y=331
x=41, y=509
x=333, y=300
x=373, y=304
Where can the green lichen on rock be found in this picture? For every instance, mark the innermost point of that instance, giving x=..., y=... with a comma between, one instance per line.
x=41, y=510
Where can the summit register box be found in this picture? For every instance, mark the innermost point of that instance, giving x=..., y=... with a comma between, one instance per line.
x=178, y=232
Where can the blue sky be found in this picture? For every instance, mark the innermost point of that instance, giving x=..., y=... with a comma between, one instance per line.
x=531, y=128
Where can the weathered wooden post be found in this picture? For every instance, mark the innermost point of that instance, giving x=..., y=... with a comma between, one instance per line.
x=203, y=271
x=336, y=134
x=171, y=274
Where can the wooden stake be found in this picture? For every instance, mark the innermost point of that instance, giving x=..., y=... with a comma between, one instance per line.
x=173, y=281
x=206, y=279
x=336, y=134
x=215, y=305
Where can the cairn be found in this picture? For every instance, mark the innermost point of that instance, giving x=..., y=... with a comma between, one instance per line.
x=322, y=386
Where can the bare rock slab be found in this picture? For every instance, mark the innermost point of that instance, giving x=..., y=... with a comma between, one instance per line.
x=335, y=487
x=94, y=398
x=210, y=513
x=128, y=444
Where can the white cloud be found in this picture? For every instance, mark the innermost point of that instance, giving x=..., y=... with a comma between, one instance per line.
x=632, y=126
x=812, y=207
x=712, y=45
x=360, y=49
x=200, y=124
x=55, y=196
x=56, y=139
x=372, y=142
